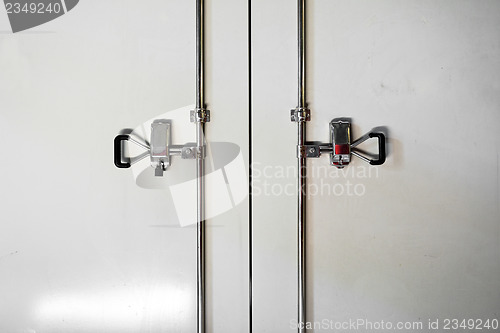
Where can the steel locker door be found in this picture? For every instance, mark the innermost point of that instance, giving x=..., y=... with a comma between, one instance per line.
x=84, y=246
x=412, y=244
x=227, y=232
x=273, y=61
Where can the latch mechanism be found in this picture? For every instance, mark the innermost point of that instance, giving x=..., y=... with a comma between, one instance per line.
x=160, y=144
x=160, y=150
x=340, y=137
x=341, y=148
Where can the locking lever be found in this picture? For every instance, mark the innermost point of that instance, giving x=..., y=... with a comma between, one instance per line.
x=381, y=148
x=340, y=147
x=118, y=151
x=160, y=150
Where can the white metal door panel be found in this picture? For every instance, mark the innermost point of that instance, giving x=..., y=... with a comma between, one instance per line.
x=417, y=238
x=83, y=248
x=227, y=233
x=273, y=59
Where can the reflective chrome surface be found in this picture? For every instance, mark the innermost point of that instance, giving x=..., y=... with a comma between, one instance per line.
x=302, y=166
x=200, y=167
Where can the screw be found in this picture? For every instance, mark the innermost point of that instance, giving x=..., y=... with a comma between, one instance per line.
x=188, y=151
x=312, y=150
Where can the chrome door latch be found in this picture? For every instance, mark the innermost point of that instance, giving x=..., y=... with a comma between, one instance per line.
x=160, y=144
x=160, y=149
x=341, y=148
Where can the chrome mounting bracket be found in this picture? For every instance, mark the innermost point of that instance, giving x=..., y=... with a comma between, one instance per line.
x=300, y=114
x=200, y=116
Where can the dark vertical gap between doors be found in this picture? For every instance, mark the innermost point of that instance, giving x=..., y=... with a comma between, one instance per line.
x=250, y=160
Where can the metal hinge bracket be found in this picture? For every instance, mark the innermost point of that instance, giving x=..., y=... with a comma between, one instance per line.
x=308, y=151
x=200, y=116
x=192, y=152
x=300, y=114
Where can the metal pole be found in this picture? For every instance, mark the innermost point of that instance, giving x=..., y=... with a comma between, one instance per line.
x=301, y=23
x=200, y=234
x=200, y=55
x=302, y=170
x=200, y=168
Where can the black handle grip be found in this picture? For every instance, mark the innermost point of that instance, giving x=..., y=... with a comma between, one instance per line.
x=381, y=148
x=118, y=151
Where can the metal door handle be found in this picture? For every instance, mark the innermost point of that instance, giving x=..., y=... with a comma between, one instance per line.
x=381, y=148
x=118, y=153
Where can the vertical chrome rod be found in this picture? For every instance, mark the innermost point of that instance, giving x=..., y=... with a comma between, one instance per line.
x=200, y=168
x=302, y=170
x=301, y=23
x=200, y=55
x=200, y=234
